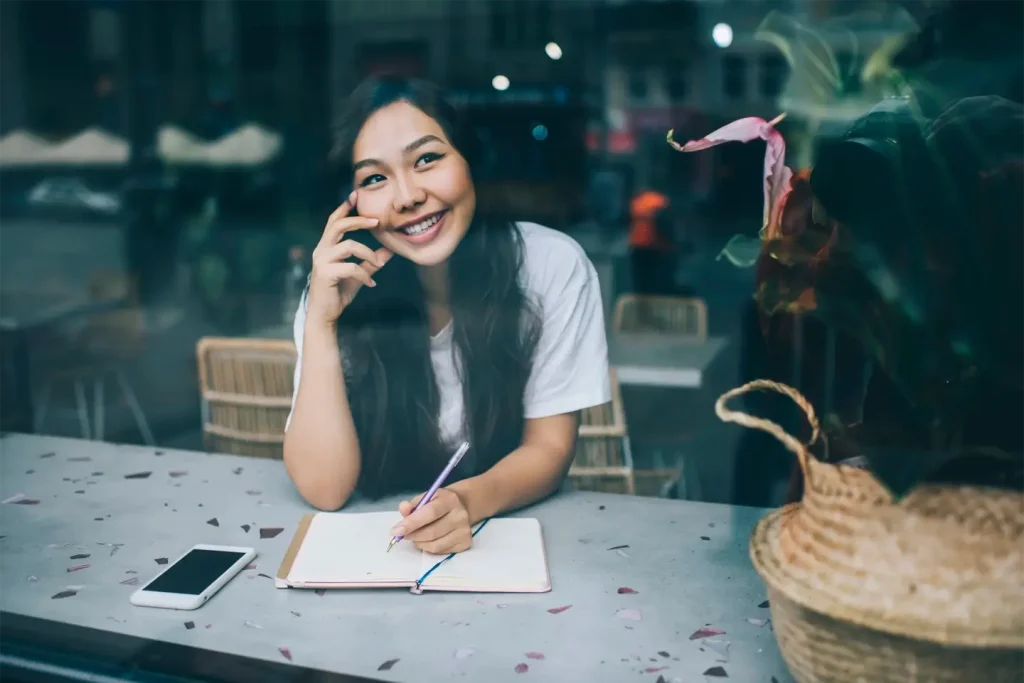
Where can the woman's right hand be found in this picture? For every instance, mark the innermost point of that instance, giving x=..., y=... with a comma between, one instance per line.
x=334, y=281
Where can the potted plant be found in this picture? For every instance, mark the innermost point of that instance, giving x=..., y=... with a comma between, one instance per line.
x=906, y=234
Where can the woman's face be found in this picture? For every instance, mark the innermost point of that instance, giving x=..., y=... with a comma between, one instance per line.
x=410, y=178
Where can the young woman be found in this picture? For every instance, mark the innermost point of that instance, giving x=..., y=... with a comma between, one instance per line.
x=456, y=324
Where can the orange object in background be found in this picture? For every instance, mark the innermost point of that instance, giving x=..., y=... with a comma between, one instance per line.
x=643, y=228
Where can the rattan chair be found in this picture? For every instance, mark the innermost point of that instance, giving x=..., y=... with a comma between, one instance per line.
x=676, y=315
x=603, y=460
x=246, y=387
x=685, y=319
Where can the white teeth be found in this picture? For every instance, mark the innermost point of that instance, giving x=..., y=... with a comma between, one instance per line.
x=422, y=226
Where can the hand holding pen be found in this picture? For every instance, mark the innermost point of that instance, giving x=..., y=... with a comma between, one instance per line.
x=439, y=527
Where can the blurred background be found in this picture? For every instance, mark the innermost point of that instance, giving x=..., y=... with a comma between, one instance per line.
x=164, y=176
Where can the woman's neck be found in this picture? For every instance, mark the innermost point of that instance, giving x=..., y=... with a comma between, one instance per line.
x=434, y=280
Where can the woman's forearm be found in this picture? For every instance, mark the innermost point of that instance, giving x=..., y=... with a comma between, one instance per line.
x=533, y=471
x=321, y=451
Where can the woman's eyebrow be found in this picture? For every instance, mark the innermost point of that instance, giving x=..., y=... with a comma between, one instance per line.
x=412, y=146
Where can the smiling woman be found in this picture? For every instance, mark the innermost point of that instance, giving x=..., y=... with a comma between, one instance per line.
x=467, y=326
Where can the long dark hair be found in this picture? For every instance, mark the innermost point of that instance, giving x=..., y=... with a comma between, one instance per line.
x=384, y=333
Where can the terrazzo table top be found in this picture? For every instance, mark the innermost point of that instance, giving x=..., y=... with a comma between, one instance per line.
x=634, y=580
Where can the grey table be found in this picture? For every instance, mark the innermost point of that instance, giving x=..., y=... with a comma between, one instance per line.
x=88, y=506
x=662, y=360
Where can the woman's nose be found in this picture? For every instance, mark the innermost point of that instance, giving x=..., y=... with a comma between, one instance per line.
x=408, y=195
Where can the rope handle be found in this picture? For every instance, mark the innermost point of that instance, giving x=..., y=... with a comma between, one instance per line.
x=798, y=449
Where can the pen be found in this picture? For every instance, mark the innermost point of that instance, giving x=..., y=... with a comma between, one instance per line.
x=437, y=484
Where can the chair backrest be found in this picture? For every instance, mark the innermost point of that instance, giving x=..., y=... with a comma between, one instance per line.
x=603, y=461
x=647, y=313
x=246, y=387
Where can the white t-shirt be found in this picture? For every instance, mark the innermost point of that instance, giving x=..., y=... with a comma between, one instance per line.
x=570, y=366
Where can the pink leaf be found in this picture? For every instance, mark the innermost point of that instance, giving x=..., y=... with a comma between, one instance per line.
x=251, y=565
x=78, y=567
x=626, y=590
x=535, y=655
x=654, y=669
x=285, y=652
x=777, y=176
x=559, y=610
x=706, y=633
x=522, y=668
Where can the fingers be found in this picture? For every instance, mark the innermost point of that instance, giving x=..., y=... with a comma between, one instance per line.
x=346, y=249
x=339, y=272
x=339, y=222
x=455, y=541
x=439, y=506
x=406, y=507
x=452, y=521
x=381, y=256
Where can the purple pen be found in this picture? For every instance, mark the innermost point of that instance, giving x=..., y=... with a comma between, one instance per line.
x=437, y=484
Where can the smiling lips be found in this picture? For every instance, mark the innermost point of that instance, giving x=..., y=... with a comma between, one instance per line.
x=423, y=230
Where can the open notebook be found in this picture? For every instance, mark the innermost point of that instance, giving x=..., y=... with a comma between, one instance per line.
x=348, y=550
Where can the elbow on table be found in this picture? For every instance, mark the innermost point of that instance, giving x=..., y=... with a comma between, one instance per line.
x=327, y=493
x=325, y=500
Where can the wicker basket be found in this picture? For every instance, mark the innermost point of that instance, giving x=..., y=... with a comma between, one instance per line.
x=863, y=588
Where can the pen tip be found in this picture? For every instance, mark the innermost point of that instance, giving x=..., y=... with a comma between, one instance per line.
x=391, y=545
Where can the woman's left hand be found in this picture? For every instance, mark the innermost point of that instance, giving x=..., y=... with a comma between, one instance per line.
x=439, y=527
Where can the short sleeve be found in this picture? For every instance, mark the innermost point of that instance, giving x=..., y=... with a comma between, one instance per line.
x=298, y=326
x=570, y=368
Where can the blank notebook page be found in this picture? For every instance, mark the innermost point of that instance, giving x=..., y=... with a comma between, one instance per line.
x=352, y=548
x=507, y=555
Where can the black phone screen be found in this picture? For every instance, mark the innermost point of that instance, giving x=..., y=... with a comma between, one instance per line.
x=194, y=572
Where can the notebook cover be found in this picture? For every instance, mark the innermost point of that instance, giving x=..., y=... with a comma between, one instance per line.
x=281, y=580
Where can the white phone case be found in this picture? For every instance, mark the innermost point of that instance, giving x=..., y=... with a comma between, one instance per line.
x=146, y=598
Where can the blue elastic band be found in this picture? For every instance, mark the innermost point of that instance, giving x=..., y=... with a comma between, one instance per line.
x=423, y=578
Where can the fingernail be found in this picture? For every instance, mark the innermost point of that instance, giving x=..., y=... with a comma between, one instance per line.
x=373, y=283
x=352, y=197
x=398, y=531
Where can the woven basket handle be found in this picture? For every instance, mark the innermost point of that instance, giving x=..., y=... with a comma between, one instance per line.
x=775, y=430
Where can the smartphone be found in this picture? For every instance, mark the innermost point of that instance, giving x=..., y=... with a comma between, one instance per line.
x=193, y=578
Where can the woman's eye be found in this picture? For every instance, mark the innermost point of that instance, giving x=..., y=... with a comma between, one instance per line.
x=428, y=157
x=371, y=180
